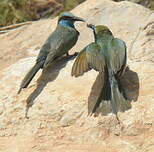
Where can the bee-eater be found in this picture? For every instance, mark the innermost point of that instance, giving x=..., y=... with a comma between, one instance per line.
x=108, y=56
x=58, y=43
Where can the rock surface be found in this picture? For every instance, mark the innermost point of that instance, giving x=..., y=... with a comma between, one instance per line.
x=146, y=3
x=58, y=119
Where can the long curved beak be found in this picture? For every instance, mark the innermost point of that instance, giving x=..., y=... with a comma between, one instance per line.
x=75, y=18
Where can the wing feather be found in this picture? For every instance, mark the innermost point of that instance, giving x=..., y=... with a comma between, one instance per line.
x=90, y=57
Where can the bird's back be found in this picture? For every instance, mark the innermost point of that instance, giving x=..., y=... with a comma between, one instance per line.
x=59, y=42
x=114, y=51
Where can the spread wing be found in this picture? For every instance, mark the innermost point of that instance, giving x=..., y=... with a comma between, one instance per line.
x=89, y=58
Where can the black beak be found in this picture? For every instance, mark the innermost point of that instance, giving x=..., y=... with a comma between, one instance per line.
x=77, y=19
x=91, y=26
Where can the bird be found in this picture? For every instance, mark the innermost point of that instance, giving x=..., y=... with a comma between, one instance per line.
x=108, y=56
x=61, y=40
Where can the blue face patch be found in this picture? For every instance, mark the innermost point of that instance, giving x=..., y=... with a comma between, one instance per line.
x=67, y=23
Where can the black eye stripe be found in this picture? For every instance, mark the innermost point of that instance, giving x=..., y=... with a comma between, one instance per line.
x=65, y=17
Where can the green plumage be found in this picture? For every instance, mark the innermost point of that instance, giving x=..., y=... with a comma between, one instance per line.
x=90, y=57
x=107, y=54
x=58, y=43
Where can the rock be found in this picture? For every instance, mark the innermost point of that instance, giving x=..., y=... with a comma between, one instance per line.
x=146, y=3
x=58, y=120
x=71, y=114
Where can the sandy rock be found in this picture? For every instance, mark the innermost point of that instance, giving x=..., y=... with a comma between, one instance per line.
x=58, y=120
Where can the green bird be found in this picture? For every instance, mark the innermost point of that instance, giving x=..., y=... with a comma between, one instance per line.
x=108, y=56
x=58, y=43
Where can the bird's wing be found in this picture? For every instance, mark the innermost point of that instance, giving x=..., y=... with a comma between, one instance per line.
x=54, y=54
x=89, y=58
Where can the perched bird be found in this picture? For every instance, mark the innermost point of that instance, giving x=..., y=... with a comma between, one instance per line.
x=58, y=43
x=108, y=56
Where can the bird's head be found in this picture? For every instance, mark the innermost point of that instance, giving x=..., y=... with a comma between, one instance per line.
x=99, y=30
x=67, y=19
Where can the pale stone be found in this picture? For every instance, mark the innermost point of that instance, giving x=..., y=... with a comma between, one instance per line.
x=58, y=120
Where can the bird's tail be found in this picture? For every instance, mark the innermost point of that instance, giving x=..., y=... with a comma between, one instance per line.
x=111, y=98
x=29, y=76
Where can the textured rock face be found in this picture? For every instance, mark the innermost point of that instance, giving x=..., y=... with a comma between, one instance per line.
x=146, y=3
x=58, y=119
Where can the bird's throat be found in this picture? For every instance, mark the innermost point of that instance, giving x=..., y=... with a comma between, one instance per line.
x=67, y=23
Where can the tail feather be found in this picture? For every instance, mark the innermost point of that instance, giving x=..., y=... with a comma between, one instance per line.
x=111, y=98
x=104, y=97
x=118, y=102
x=29, y=76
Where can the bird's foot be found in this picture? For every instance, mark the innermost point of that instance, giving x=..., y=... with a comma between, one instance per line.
x=72, y=55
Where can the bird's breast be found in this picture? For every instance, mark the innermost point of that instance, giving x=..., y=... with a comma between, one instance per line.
x=70, y=37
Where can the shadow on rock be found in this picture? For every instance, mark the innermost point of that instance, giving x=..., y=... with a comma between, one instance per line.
x=130, y=84
x=47, y=75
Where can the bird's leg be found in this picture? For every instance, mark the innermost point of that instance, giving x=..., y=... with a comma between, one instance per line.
x=119, y=122
x=29, y=104
x=118, y=119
